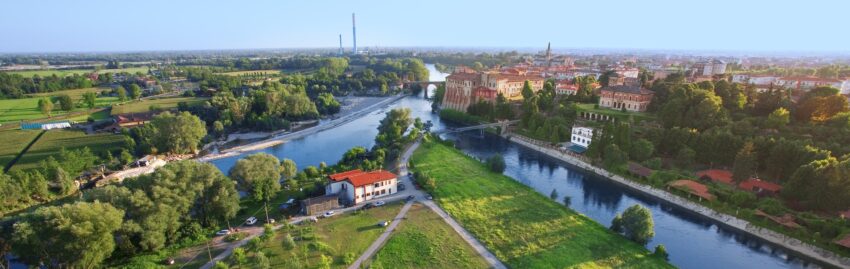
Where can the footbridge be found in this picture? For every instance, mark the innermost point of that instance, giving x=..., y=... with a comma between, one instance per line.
x=503, y=127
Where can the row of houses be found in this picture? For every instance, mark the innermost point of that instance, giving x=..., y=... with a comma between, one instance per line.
x=799, y=83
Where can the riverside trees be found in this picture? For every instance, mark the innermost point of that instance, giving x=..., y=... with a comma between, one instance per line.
x=259, y=174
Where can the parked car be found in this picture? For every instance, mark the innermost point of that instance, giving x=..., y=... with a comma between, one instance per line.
x=410, y=197
x=329, y=214
x=429, y=197
x=367, y=206
x=384, y=223
x=380, y=203
x=169, y=261
x=251, y=221
x=401, y=186
x=223, y=232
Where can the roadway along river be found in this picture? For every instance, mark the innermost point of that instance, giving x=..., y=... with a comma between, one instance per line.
x=693, y=242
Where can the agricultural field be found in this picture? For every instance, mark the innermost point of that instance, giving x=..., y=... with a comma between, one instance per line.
x=76, y=94
x=335, y=237
x=521, y=227
x=26, y=109
x=162, y=103
x=252, y=72
x=70, y=72
x=54, y=140
x=13, y=142
x=424, y=240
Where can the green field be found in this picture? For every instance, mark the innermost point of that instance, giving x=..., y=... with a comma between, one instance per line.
x=76, y=94
x=520, y=226
x=620, y=115
x=163, y=103
x=14, y=141
x=54, y=140
x=341, y=234
x=251, y=72
x=26, y=109
x=69, y=72
x=424, y=240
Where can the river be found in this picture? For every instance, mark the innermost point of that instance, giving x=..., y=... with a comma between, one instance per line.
x=693, y=241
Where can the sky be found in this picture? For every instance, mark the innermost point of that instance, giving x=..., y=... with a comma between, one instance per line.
x=717, y=25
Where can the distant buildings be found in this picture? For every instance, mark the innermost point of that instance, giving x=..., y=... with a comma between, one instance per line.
x=798, y=83
x=710, y=68
x=464, y=89
x=630, y=98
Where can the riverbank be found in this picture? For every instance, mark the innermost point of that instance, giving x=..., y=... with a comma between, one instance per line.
x=282, y=138
x=789, y=243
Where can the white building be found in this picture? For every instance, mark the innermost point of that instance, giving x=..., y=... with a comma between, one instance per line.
x=356, y=186
x=710, y=68
x=582, y=136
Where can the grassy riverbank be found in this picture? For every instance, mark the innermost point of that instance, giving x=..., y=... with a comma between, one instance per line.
x=424, y=240
x=520, y=226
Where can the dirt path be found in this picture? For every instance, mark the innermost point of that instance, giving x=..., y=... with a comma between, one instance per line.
x=383, y=238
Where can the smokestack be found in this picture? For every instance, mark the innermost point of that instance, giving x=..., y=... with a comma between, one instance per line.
x=340, y=45
x=354, y=33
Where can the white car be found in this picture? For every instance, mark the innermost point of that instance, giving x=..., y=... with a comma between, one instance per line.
x=251, y=221
x=329, y=214
x=380, y=203
x=223, y=232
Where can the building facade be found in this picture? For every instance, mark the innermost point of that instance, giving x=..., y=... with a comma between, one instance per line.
x=581, y=136
x=630, y=98
x=357, y=186
x=464, y=89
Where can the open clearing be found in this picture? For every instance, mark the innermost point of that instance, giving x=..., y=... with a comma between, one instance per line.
x=13, y=142
x=520, y=226
x=424, y=240
x=26, y=109
x=70, y=72
x=162, y=103
x=52, y=142
x=333, y=237
x=251, y=72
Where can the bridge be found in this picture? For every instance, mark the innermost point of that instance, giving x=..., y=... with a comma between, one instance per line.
x=503, y=127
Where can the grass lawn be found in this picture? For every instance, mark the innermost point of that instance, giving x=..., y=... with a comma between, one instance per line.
x=26, y=109
x=520, y=226
x=251, y=72
x=70, y=72
x=14, y=141
x=638, y=116
x=52, y=142
x=333, y=237
x=424, y=240
x=163, y=103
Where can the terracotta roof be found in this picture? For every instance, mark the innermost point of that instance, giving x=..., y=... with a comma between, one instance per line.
x=462, y=76
x=844, y=242
x=627, y=89
x=717, y=175
x=754, y=184
x=692, y=187
x=370, y=177
x=637, y=169
x=344, y=175
x=810, y=79
x=786, y=220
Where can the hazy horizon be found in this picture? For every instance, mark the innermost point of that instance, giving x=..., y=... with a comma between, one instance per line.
x=96, y=26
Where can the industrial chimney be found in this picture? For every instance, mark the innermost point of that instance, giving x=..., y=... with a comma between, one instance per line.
x=354, y=33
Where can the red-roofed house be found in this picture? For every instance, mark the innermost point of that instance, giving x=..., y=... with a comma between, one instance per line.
x=760, y=187
x=845, y=242
x=357, y=186
x=716, y=175
x=692, y=187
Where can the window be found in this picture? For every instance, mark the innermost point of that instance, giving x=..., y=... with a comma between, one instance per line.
x=383, y=191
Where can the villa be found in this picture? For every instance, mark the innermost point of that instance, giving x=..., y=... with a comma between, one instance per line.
x=357, y=186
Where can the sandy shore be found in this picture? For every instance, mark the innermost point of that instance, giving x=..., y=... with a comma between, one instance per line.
x=353, y=108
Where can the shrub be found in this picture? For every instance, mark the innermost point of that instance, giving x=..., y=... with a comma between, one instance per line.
x=235, y=236
x=771, y=206
x=661, y=251
x=288, y=242
x=743, y=199
x=349, y=258
x=496, y=163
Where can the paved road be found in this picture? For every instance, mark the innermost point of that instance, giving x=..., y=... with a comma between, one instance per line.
x=383, y=238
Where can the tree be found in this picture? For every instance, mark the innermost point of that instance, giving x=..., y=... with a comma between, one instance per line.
x=641, y=150
x=288, y=169
x=239, y=257
x=325, y=262
x=496, y=163
x=262, y=261
x=685, y=157
x=822, y=184
x=527, y=91
x=90, y=99
x=220, y=265
x=614, y=157
x=778, y=118
x=122, y=93
x=45, y=105
x=180, y=133
x=745, y=163
x=260, y=175
x=636, y=223
x=75, y=235
x=692, y=107
x=135, y=91
x=65, y=102
x=288, y=242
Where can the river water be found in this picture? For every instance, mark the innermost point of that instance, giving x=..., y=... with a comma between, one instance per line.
x=693, y=241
